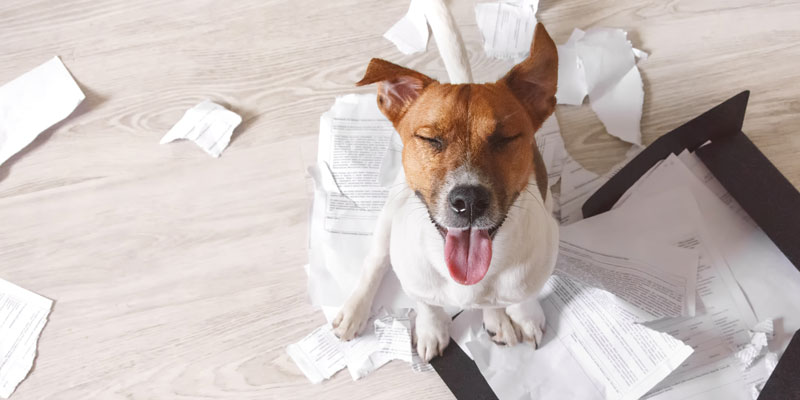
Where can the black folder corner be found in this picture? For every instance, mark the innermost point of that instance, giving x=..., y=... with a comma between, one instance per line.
x=767, y=196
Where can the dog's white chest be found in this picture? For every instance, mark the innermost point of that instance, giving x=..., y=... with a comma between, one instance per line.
x=524, y=252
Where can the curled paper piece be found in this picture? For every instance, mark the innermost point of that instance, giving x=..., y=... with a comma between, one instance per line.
x=600, y=63
x=507, y=27
x=410, y=34
x=208, y=124
x=760, y=335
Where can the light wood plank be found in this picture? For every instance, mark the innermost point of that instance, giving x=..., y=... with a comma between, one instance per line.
x=178, y=275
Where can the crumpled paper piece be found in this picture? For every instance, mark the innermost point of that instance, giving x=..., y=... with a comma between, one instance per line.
x=760, y=335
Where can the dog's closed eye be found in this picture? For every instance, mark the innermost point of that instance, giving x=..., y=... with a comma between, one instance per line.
x=499, y=141
x=426, y=136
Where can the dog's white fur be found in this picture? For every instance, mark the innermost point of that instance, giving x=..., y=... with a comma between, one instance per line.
x=524, y=254
x=524, y=249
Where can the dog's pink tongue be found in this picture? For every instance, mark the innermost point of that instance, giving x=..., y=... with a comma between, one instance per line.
x=467, y=253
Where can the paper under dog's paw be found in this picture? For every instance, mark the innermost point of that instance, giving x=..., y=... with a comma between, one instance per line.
x=350, y=320
x=432, y=338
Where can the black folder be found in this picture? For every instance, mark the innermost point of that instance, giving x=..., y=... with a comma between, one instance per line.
x=767, y=196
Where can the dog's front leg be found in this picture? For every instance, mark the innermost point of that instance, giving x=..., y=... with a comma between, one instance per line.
x=432, y=330
x=355, y=312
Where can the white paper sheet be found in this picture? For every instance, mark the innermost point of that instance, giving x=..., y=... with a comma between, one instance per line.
x=34, y=102
x=600, y=63
x=410, y=34
x=23, y=315
x=652, y=281
x=507, y=27
x=353, y=142
x=208, y=124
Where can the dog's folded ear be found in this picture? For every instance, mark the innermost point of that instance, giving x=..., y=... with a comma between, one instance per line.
x=398, y=87
x=534, y=80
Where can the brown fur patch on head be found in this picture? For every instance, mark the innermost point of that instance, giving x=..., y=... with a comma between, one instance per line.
x=481, y=126
x=486, y=129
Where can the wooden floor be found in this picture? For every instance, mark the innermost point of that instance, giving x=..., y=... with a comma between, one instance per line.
x=176, y=275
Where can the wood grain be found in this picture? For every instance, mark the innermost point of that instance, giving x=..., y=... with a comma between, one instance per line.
x=177, y=275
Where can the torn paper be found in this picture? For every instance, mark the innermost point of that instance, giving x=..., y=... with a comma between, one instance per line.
x=208, y=124
x=507, y=27
x=23, y=315
x=600, y=63
x=410, y=34
x=318, y=355
x=760, y=335
x=321, y=354
x=34, y=102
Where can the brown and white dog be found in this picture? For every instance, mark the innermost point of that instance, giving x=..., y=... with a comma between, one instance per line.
x=471, y=226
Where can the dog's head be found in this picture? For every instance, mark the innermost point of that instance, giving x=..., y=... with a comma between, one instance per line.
x=469, y=150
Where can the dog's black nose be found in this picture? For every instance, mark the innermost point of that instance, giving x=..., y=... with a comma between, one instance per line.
x=469, y=202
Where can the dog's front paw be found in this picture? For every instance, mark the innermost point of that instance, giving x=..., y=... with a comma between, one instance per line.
x=500, y=327
x=432, y=334
x=351, y=318
x=530, y=320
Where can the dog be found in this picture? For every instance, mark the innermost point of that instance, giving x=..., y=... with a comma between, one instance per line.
x=471, y=225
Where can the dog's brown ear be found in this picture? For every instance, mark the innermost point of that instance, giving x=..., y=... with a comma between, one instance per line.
x=534, y=80
x=398, y=87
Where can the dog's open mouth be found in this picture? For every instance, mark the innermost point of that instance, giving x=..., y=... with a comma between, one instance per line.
x=467, y=252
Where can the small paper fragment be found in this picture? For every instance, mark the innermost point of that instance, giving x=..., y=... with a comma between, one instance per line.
x=321, y=354
x=410, y=34
x=760, y=335
x=318, y=355
x=33, y=102
x=23, y=315
x=389, y=340
x=507, y=27
x=208, y=124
